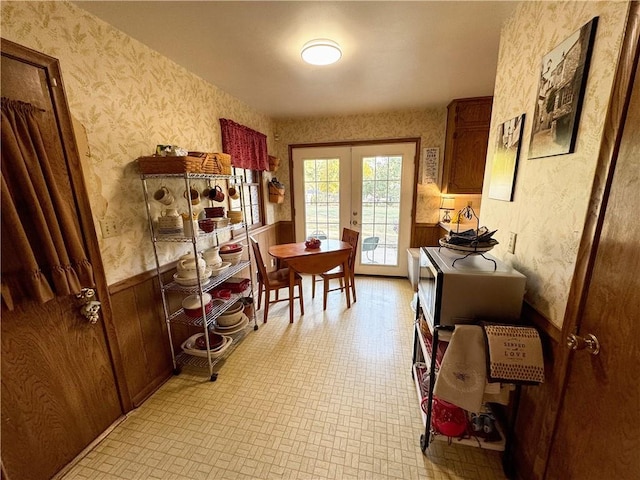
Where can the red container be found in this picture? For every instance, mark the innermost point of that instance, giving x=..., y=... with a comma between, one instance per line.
x=192, y=306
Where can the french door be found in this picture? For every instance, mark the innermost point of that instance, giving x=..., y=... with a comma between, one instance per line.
x=367, y=188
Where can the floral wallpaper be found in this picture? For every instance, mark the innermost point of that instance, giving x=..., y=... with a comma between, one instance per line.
x=551, y=194
x=127, y=98
x=429, y=125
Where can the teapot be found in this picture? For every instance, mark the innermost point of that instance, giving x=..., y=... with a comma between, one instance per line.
x=188, y=265
x=212, y=256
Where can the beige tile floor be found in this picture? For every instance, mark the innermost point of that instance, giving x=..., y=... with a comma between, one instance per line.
x=328, y=397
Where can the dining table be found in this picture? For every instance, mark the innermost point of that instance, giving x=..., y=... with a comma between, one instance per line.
x=302, y=259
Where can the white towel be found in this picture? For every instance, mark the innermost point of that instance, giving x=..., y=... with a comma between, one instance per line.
x=463, y=373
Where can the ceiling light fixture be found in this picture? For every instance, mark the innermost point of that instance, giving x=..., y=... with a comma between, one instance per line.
x=321, y=51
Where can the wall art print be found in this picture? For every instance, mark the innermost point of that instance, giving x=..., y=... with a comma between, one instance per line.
x=505, y=159
x=561, y=87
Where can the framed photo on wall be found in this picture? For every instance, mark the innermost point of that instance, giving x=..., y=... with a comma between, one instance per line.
x=505, y=159
x=563, y=77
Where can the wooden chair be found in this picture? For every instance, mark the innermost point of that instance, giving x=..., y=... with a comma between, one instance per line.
x=274, y=281
x=350, y=236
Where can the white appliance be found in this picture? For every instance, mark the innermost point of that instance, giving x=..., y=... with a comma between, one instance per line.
x=470, y=291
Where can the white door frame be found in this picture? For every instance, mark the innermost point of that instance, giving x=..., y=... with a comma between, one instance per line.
x=340, y=150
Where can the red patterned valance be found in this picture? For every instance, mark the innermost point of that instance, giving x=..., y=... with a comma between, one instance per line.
x=247, y=147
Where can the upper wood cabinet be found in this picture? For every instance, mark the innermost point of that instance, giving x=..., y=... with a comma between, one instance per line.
x=465, y=150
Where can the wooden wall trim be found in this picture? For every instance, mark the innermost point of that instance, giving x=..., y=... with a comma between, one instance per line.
x=531, y=316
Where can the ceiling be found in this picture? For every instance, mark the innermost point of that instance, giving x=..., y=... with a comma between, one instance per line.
x=396, y=55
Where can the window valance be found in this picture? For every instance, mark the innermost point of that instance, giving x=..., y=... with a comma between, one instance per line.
x=247, y=147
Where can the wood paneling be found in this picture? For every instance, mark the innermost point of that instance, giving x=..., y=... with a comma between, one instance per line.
x=142, y=330
x=285, y=232
x=426, y=235
x=142, y=336
x=60, y=383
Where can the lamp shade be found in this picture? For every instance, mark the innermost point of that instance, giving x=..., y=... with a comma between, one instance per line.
x=321, y=52
x=448, y=203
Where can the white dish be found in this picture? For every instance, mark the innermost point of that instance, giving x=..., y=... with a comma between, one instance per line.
x=229, y=319
x=215, y=271
x=192, y=281
x=189, y=343
x=233, y=329
x=233, y=258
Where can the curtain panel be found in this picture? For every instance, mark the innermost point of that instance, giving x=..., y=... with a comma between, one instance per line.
x=43, y=253
x=247, y=147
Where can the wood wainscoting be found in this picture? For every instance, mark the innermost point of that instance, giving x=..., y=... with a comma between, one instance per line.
x=426, y=234
x=525, y=456
x=142, y=330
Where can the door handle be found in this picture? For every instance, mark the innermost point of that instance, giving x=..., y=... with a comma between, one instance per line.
x=354, y=222
x=89, y=308
x=589, y=343
x=90, y=311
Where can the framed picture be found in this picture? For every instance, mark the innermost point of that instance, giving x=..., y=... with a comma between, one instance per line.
x=563, y=77
x=505, y=159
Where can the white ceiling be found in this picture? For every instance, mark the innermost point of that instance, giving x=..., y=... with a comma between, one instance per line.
x=396, y=55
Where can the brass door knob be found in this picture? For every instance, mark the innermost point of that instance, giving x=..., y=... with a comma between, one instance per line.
x=589, y=343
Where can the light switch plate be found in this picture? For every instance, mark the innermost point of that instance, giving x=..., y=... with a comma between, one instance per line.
x=511, y=248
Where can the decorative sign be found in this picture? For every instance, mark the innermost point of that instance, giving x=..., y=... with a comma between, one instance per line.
x=430, y=161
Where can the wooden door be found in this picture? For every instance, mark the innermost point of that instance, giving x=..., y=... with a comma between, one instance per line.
x=59, y=389
x=598, y=429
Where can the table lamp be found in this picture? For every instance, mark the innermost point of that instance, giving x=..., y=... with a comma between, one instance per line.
x=447, y=205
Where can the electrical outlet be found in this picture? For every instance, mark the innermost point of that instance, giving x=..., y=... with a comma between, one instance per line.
x=110, y=228
x=511, y=248
x=273, y=262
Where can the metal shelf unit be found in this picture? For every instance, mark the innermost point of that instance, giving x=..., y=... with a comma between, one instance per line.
x=207, y=319
x=423, y=348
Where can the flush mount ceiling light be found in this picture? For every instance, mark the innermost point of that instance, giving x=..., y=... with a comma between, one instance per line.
x=321, y=52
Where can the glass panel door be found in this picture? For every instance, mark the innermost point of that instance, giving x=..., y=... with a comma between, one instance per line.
x=365, y=188
x=384, y=176
x=320, y=175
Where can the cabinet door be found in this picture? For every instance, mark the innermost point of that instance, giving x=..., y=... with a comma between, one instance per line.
x=467, y=137
x=467, y=161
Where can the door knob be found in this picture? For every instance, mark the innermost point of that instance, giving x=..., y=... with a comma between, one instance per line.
x=90, y=311
x=589, y=343
x=89, y=308
x=354, y=222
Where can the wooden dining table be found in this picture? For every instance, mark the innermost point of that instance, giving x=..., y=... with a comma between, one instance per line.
x=301, y=259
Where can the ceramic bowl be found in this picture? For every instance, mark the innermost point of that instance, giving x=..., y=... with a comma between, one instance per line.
x=192, y=307
x=223, y=293
x=207, y=225
x=233, y=258
x=217, y=270
x=232, y=316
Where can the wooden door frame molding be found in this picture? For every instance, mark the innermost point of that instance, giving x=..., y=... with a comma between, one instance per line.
x=357, y=143
x=588, y=248
x=53, y=71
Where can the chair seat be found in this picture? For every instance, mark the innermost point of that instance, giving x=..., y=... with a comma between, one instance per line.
x=281, y=277
x=333, y=273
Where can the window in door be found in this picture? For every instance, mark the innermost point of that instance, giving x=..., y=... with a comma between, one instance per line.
x=379, y=226
x=322, y=198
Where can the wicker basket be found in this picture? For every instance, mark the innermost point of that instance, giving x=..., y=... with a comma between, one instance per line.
x=276, y=195
x=195, y=162
x=221, y=161
x=274, y=163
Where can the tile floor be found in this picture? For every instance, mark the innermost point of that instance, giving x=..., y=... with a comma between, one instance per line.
x=328, y=397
